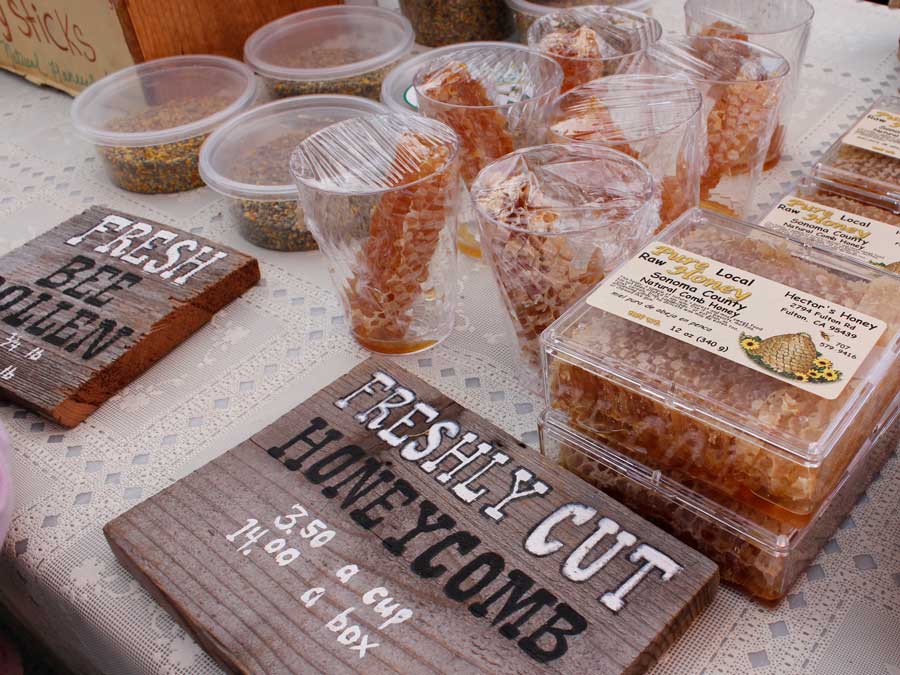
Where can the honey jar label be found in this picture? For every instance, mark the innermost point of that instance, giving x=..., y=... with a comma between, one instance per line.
x=868, y=241
x=878, y=131
x=794, y=336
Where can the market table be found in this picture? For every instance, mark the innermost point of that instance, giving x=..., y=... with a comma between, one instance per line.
x=286, y=338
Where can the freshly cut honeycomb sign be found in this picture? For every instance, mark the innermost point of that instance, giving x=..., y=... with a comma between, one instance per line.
x=866, y=240
x=791, y=335
x=381, y=527
x=91, y=304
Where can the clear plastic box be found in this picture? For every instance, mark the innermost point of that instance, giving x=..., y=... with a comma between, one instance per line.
x=329, y=50
x=763, y=557
x=840, y=218
x=149, y=121
x=526, y=12
x=763, y=419
x=248, y=160
x=876, y=171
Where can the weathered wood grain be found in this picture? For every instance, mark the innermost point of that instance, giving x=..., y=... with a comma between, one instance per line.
x=256, y=616
x=78, y=324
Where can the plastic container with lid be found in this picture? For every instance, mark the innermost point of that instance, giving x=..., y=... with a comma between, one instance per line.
x=867, y=157
x=397, y=90
x=380, y=193
x=248, y=159
x=653, y=118
x=594, y=41
x=526, y=12
x=762, y=556
x=841, y=219
x=329, y=50
x=445, y=22
x=149, y=121
x=744, y=364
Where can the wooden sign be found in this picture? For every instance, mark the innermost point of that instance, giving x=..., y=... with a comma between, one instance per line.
x=88, y=306
x=380, y=527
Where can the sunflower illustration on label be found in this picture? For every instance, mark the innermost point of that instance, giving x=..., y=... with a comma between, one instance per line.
x=892, y=267
x=792, y=355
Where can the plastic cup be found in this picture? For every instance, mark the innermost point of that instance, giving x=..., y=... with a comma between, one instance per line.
x=781, y=25
x=555, y=219
x=329, y=50
x=653, y=118
x=496, y=98
x=397, y=90
x=743, y=87
x=594, y=41
x=380, y=195
x=248, y=160
x=526, y=12
x=149, y=121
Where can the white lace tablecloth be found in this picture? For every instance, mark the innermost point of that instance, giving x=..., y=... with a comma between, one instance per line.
x=286, y=338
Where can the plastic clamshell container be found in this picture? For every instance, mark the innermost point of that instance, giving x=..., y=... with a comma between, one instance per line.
x=248, y=160
x=873, y=171
x=739, y=434
x=330, y=50
x=526, y=12
x=397, y=90
x=840, y=218
x=764, y=558
x=149, y=121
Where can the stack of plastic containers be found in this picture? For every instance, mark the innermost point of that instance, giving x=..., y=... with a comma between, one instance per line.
x=731, y=385
x=851, y=205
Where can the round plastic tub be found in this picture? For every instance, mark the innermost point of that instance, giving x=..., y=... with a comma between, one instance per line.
x=330, y=50
x=446, y=22
x=248, y=160
x=526, y=12
x=149, y=121
x=397, y=90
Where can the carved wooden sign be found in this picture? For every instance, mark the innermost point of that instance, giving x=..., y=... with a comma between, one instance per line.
x=380, y=527
x=88, y=306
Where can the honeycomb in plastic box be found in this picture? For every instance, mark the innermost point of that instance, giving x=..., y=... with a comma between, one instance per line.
x=683, y=445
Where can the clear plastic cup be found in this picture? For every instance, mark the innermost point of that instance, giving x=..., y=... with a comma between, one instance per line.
x=781, y=25
x=496, y=98
x=248, y=160
x=380, y=195
x=555, y=219
x=446, y=22
x=594, y=41
x=526, y=12
x=653, y=118
x=149, y=121
x=397, y=90
x=743, y=87
x=329, y=50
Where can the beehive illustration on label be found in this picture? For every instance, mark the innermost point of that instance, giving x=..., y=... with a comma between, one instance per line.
x=793, y=355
